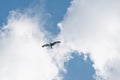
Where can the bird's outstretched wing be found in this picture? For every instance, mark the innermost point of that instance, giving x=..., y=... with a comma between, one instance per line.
x=55, y=42
x=45, y=45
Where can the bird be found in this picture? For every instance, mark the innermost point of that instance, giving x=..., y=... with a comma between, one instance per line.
x=51, y=44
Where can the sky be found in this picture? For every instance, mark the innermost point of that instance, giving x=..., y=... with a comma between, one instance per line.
x=88, y=31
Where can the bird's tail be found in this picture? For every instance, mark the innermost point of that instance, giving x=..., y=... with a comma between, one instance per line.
x=51, y=47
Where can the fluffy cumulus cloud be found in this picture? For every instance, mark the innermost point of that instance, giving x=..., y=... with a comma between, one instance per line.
x=21, y=54
x=93, y=26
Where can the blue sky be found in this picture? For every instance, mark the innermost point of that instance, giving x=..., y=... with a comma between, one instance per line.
x=77, y=68
x=6, y=6
x=57, y=9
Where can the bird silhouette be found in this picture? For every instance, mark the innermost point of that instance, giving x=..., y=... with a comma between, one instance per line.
x=51, y=44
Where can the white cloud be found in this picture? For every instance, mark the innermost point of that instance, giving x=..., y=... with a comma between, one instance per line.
x=93, y=26
x=21, y=54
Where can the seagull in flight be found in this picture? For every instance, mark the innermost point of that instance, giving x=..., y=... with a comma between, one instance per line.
x=51, y=44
